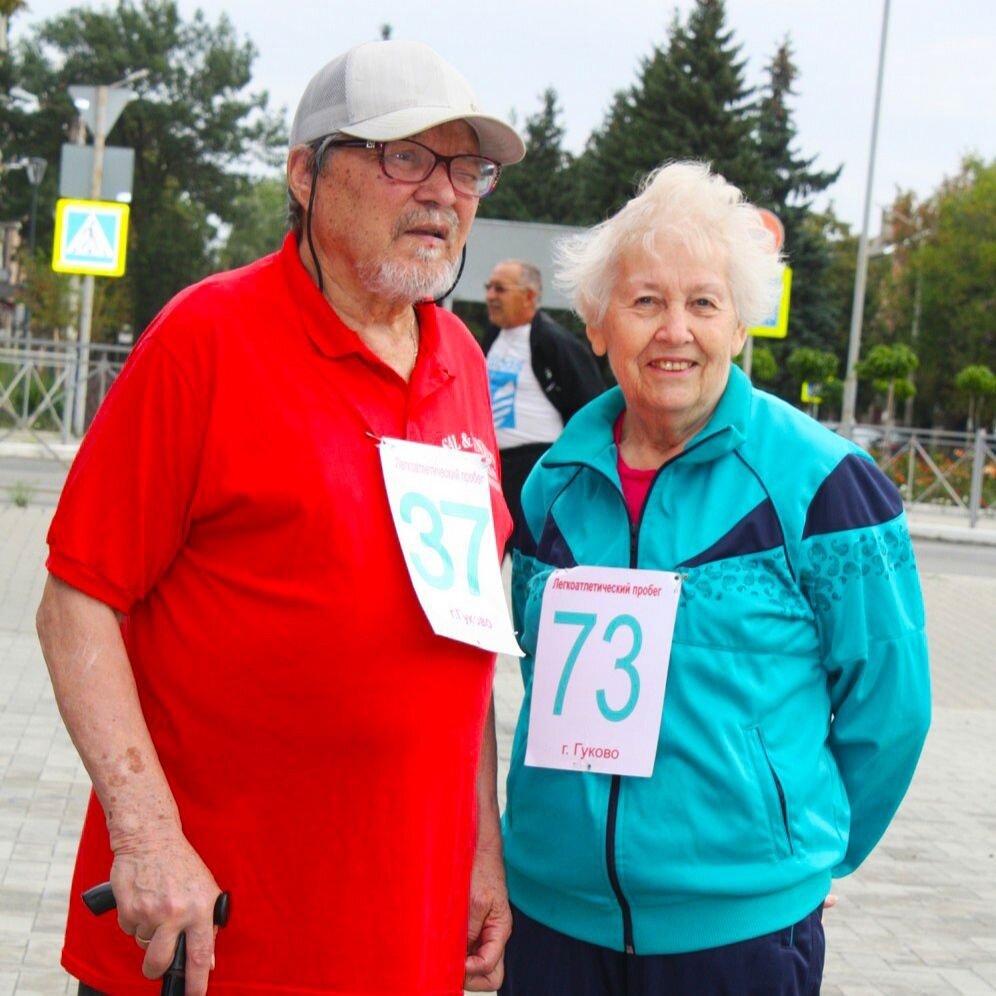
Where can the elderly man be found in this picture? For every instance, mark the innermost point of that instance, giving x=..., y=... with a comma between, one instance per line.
x=539, y=373
x=231, y=631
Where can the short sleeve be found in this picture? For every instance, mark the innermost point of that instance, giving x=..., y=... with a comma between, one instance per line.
x=126, y=505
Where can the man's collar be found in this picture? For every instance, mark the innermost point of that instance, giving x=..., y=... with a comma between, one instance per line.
x=516, y=329
x=335, y=340
x=323, y=326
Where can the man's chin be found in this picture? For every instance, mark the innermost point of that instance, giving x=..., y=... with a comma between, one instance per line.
x=415, y=280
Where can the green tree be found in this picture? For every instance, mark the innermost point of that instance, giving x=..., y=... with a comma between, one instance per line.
x=954, y=263
x=17, y=129
x=45, y=294
x=541, y=187
x=195, y=130
x=7, y=8
x=978, y=382
x=815, y=367
x=842, y=250
x=832, y=393
x=689, y=102
x=888, y=367
x=787, y=184
x=258, y=223
x=763, y=365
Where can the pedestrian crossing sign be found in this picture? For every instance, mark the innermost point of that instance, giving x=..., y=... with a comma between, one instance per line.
x=90, y=237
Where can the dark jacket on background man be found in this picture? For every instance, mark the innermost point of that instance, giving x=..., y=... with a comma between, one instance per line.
x=563, y=365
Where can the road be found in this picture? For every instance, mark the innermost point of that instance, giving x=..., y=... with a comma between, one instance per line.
x=962, y=559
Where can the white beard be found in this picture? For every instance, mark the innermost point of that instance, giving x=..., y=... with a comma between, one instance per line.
x=426, y=277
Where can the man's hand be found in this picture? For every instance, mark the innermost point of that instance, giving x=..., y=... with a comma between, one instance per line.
x=162, y=887
x=490, y=923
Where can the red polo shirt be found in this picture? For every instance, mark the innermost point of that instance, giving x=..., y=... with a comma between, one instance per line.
x=321, y=741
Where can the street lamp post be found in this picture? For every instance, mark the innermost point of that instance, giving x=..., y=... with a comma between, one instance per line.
x=100, y=122
x=847, y=416
x=34, y=167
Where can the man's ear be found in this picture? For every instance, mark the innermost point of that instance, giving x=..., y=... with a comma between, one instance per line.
x=300, y=162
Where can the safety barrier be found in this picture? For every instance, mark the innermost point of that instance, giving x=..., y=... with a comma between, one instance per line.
x=40, y=380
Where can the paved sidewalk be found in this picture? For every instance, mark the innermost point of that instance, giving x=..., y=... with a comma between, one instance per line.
x=918, y=918
x=43, y=787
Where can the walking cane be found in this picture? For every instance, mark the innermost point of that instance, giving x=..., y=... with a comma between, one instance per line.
x=100, y=899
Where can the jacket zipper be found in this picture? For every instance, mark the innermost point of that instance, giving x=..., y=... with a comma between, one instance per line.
x=614, y=789
x=613, y=810
x=610, y=860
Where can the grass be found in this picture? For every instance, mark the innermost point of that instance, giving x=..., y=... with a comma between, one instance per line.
x=21, y=493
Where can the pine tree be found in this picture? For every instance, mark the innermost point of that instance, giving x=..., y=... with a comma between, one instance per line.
x=788, y=183
x=690, y=102
x=541, y=187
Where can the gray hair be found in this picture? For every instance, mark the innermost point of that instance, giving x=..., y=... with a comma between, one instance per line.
x=529, y=276
x=295, y=210
x=678, y=204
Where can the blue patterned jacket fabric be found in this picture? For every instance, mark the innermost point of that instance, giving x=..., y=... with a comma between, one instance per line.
x=797, y=697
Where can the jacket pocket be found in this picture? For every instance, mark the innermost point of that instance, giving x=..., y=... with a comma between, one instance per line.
x=772, y=792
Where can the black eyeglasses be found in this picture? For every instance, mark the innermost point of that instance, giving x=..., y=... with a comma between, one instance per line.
x=413, y=162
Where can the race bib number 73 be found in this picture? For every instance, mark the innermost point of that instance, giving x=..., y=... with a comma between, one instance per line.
x=601, y=667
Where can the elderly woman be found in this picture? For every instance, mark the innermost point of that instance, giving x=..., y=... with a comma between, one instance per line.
x=797, y=695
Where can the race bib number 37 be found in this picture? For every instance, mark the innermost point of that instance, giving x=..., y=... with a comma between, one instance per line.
x=601, y=668
x=440, y=500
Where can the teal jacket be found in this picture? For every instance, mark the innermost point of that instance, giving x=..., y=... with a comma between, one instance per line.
x=797, y=698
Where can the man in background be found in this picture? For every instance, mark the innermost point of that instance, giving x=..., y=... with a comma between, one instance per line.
x=539, y=373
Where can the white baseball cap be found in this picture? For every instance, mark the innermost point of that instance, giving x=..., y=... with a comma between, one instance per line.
x=388, y=90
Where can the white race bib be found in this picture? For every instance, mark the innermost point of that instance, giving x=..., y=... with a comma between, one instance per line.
x=440, y=500
x=601, y=667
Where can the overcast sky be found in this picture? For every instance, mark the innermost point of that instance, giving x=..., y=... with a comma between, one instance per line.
x=939, y=97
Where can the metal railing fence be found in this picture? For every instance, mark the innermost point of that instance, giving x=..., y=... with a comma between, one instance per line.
x=937, y=469
x=40, y=379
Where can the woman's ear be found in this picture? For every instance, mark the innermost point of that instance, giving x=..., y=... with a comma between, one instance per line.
x=739, y=340
x=597, y=339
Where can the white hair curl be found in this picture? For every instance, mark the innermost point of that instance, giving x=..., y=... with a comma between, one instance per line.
x=679, y=204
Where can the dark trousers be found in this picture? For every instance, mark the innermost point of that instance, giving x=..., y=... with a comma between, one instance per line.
x=85, y=990
x=543, y=962
x=516, y=462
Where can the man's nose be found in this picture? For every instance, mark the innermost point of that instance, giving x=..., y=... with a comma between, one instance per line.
x=437, y=187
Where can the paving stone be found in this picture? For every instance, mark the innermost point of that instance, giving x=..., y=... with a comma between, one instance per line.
x=966, y=982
